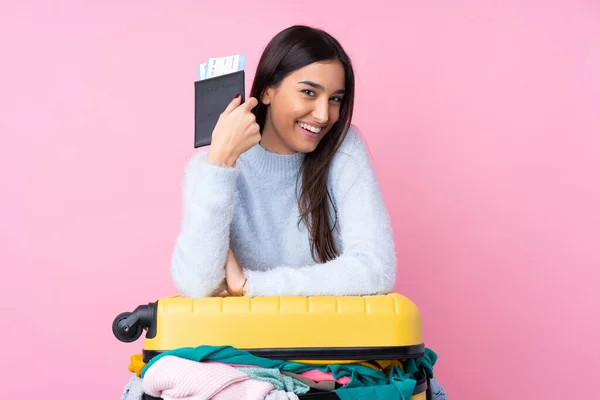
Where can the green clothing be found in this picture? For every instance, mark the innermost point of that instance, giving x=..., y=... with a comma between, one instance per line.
x=365, y=382
x=276, y=378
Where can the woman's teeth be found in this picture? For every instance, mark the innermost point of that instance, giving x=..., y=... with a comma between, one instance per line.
x=309, y=127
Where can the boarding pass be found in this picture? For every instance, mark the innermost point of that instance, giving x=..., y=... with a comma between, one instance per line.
x=220, y=66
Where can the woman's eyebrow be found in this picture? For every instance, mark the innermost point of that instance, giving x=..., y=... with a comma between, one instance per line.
x=320, y=87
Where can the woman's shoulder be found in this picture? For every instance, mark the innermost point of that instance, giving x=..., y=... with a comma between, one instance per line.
x=196, y=159
x=350, y=163
x=352, y=152
x=197, y=165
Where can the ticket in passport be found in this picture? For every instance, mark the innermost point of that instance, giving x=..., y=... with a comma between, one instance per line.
x=217, y=66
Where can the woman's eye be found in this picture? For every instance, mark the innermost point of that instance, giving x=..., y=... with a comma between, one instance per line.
x=336, y=99
x=308, y=92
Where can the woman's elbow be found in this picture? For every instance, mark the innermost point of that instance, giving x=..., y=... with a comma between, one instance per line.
x=188, y=282
x=377, y=273
x=386, y=276
x=384, y=284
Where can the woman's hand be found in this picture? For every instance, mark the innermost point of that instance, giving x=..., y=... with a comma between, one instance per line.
x=236, y=281
x=235, y=132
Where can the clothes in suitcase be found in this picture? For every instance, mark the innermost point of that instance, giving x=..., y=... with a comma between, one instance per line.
x=318, y=330
x=172, y=375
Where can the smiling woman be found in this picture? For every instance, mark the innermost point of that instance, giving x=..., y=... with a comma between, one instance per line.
x=302, y=109
x=285, y=201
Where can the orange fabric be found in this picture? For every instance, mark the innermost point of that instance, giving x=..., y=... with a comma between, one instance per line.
x=387, y=365
x=136, y=364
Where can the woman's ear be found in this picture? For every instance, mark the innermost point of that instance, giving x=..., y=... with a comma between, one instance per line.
x=266, y=97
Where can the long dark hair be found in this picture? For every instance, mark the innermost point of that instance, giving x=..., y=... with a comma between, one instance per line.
x=290, y=50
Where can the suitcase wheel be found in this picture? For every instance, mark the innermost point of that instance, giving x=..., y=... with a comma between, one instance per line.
x=123, y=331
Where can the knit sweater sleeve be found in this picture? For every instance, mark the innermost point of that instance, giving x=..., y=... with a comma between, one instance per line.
x=198, y=260
x=367, y=263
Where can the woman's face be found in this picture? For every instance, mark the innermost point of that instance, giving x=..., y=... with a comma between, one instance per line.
x=303, y=108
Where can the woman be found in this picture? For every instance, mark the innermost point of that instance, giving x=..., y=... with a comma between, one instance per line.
x=284, y=201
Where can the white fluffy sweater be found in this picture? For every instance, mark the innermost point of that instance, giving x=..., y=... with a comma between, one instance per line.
x=252, y=208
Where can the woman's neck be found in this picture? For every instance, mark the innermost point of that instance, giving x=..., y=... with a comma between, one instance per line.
x=271, y=141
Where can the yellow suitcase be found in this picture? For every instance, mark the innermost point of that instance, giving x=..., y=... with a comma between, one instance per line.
x=317, y=329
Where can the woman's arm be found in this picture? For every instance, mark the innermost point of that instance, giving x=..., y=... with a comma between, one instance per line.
x=367, y=263
x=198, y=260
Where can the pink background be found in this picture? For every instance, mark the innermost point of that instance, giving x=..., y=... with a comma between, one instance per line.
x=483, y=119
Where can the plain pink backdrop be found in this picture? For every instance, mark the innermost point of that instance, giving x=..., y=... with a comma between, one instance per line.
x=483, y=120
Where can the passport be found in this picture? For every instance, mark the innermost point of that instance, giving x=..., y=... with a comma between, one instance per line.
x=220, y=79
x=212, y=96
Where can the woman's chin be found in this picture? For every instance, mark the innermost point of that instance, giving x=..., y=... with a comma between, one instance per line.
x=304, y=146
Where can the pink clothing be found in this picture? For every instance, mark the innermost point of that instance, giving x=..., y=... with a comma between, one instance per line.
x=232, y=365
x=320, y=376
x=174, y=378
x=314, y=375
